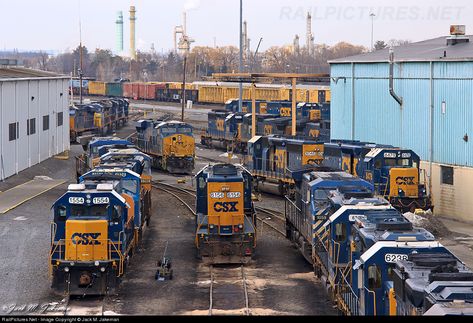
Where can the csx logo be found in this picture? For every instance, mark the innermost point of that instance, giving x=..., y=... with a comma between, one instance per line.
x=405, y=180
x=226, y=207
x=86, y=239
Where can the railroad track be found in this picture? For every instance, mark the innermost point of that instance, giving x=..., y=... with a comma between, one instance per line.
x=178, y=191
x=84, y=306
x=228, y=285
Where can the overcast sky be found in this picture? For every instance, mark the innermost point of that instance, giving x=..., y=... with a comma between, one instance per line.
x=54, y=24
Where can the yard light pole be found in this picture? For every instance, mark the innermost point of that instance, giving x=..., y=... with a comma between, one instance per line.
x=241, y=56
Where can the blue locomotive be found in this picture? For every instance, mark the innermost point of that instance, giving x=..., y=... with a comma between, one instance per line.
x=395, y=172
x=226, y=219
x=171, y=144
x=232, y=130
x=355, y=241
x=98, y=224
x=94, y=149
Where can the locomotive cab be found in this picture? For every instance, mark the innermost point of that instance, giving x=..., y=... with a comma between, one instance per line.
x=90, y=230
x=226, y=220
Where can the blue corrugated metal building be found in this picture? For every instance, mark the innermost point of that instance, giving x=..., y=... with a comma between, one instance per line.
x=434, y=81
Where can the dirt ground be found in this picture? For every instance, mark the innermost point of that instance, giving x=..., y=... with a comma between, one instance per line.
x=280, y=282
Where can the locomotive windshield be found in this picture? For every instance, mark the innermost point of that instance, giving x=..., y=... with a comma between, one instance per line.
x=185, y=130
x=398, y=162
x=130, y=186
x=168, y=130
x=93, y=210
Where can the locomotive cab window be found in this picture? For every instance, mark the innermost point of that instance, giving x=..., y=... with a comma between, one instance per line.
x=61, y=212
x=340, y=232
x=130, y=186
x=201, y=183
x=378, y=164
x=116, y=213
x=374, y=277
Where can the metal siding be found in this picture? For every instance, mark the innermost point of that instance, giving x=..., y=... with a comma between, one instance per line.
x=379, y=118
x=9, y=147
x=43, y=111
x=2, y=136
x=65, y=110
x=53, y=118
x=341, y=104
x=33, y=108
x=21, y=107
x=451, y=127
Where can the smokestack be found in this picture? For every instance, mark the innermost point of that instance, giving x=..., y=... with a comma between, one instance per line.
x=296, y=46
x=310, y=37
x=119, y=23
x=184, y=23
x=132, y=32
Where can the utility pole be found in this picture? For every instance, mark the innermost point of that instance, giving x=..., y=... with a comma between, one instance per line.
x=241, y=58
x=184, y=87
x=80, y=55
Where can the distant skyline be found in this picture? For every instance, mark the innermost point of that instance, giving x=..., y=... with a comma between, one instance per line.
x=54, y=24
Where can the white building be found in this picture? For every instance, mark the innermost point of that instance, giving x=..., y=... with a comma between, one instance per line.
x=34, y=118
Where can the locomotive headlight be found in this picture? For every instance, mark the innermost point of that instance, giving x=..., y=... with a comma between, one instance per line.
x=66, y=269
x=212, y=226
x=240, y=226
x=102, y=269
x=97, y=263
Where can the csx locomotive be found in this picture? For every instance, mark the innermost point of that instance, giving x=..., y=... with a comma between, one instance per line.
x=273, y=159
x=171, y=144
x=364, y=248
x=394, y=172
x=232, y=130
x=226, y=219
x=94, y=150
x=98, y=224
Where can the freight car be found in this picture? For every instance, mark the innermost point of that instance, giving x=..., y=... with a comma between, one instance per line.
x=395, y=172
x=171, y=144
x=353, y=239
x=272, y=159
x=226, y=218
x=97, y=226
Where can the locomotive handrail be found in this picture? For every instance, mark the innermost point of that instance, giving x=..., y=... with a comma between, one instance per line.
x=374, y=299
x=112, y=245
x=347, y=295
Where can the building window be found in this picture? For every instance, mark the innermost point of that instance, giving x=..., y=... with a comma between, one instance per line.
x=60, y=119
x=45, y=123
x=13, y=131
x=447, y=175
x=31, y=127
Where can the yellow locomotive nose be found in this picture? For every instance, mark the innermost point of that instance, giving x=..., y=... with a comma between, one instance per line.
x=405, y=180
x=86, y=240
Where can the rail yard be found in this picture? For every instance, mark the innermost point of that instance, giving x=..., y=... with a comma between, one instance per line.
x=316, y=180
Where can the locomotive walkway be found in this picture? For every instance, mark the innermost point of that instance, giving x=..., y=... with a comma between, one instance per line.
x=22, y=193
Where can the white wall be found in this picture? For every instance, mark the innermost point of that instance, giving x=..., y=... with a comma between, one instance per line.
x=452, y=201
x=21, y=100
